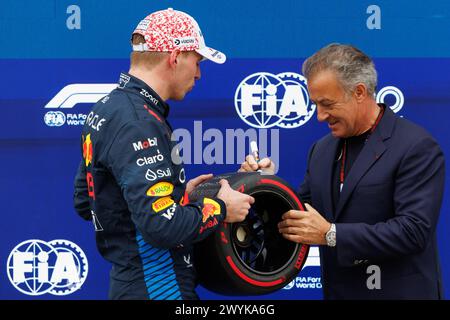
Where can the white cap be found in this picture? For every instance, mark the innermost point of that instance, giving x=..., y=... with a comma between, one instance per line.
x=167, y=30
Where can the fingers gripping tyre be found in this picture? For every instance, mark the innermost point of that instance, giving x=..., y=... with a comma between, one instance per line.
x=250, y=257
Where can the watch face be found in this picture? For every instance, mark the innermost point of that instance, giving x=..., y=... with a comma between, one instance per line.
x=331, y=238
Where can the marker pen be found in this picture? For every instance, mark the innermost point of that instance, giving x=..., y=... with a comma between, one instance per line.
x=255, y=153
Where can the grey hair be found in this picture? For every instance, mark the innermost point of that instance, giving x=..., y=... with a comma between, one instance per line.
x=351, y=65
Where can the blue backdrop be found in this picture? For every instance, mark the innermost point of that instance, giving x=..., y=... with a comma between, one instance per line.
x=47, y=45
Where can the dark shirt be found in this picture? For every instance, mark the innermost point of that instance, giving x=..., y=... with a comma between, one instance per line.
x=354, y=146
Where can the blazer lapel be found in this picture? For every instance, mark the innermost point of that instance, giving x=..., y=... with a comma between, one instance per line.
x=329, y=157
x=371, y=152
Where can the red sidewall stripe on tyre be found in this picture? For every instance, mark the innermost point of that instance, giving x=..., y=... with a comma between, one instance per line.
x=285, y=188
x=301, y=256
x=252, y=281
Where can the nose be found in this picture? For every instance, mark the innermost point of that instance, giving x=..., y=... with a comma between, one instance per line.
x=198, y=73
x=321, y=114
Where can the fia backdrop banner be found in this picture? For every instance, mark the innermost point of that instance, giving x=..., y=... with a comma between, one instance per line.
x=59, y=57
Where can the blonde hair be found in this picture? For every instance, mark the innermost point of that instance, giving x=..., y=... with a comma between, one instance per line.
x=147, y=59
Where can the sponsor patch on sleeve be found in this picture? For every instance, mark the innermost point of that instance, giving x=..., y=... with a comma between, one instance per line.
x=160, y=189
x=87, y=150
x=210, y=209
x=162, y=204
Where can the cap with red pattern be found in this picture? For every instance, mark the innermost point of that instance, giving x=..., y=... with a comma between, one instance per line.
x=167, y=30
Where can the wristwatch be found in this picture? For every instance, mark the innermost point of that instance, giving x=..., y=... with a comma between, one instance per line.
x=330, y=236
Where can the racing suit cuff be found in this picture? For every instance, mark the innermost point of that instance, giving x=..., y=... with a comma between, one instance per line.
x=223, y=208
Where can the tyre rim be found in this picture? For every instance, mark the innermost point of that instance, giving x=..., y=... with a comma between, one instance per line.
x=249, y=238
x=257, y=242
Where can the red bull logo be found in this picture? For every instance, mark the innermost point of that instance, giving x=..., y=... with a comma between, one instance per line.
x=210, y=209
x=209, y=224
x=87, y=150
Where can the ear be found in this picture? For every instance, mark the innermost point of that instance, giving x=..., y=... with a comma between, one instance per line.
x=174, y=56
x=360, y=92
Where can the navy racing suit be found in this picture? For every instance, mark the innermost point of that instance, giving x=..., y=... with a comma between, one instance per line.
x=132, y=186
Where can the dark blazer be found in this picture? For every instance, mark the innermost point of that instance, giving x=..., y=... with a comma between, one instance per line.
x=386, y=215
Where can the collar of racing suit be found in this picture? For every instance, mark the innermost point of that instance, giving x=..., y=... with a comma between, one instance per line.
x=135, y=85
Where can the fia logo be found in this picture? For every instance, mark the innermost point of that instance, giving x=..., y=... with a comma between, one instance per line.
x=57, y=267
x=265, y=100
x=54, y=118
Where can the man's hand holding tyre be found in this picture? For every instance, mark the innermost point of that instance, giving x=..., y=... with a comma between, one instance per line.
x=237, y=203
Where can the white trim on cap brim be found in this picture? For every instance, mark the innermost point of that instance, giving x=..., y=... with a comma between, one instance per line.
x=212, y=54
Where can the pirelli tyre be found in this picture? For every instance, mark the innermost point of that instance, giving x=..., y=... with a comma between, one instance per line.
x=250, y=257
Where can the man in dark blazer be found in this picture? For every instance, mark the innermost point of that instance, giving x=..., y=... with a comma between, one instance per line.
x=374, y=188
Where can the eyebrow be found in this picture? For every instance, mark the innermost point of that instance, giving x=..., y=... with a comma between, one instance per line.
x=325, y=100
x=322, y=100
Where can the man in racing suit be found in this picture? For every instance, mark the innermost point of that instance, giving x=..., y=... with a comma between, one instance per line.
x=131, y=182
